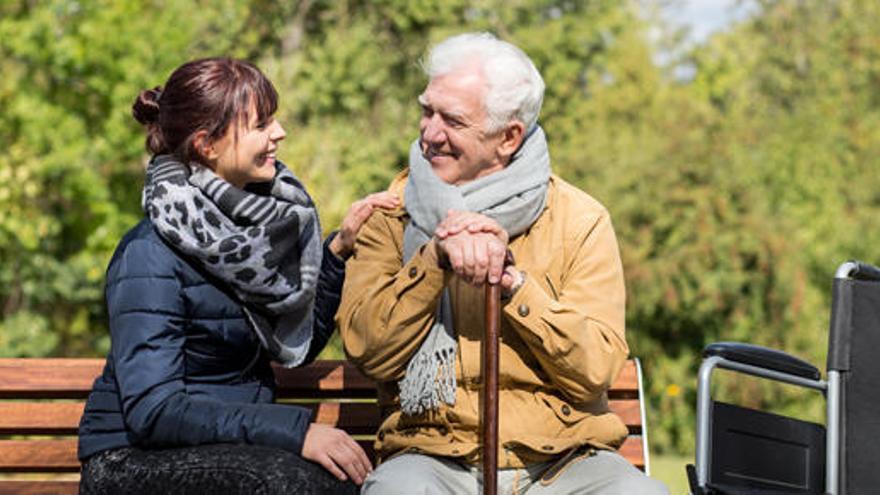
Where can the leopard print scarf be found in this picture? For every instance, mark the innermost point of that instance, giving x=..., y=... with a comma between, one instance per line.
x=265, y=247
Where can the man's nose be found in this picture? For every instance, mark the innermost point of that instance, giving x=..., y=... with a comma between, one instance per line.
x=432, y=129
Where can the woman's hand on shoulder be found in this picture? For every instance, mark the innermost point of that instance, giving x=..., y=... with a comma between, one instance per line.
x=337, y=452
x=343, y=244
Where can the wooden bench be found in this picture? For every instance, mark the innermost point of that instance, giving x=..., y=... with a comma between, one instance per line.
x=41, y=401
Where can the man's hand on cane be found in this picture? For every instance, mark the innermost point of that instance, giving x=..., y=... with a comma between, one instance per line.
x=475, y=247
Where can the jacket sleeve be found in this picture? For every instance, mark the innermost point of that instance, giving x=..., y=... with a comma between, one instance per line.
x=387, y=307
x=147, y=325
x=326, y=299
x=578, y=336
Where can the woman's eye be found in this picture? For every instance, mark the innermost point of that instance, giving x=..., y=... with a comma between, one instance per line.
x=264, y=124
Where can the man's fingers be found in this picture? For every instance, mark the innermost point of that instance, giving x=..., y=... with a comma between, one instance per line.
x=467, y=259
x=453, y=254
x=496, y=262
x=481, y=260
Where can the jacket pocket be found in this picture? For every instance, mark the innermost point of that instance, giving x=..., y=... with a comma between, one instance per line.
x=566, y=412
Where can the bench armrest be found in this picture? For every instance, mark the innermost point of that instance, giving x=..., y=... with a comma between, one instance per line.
x=762, y=357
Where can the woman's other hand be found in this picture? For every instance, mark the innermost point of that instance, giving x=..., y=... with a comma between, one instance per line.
x=343, y=244
x=337, y=452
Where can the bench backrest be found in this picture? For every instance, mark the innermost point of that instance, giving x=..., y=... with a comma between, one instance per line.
x=41, y=401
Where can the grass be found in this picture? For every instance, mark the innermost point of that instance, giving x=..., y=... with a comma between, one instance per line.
x=670, y=470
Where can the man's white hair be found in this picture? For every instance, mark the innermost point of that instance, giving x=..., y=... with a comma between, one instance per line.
x=515, y=89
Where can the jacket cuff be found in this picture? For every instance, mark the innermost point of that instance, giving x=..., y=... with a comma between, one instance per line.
x=330, y=257
x=289, y=426
x=525, y=309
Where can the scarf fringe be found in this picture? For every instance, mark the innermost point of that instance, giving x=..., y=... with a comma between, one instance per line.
x=429, y=380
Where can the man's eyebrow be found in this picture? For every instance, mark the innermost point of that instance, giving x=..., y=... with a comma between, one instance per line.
x=449, y=114
x=460, y=117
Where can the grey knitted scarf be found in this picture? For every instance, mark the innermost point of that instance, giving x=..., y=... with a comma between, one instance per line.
x=514, y=197
x=265, y=247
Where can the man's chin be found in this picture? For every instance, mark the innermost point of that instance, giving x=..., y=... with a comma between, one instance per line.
x=445, y=170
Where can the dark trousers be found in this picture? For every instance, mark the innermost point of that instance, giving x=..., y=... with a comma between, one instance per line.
x=221, y=468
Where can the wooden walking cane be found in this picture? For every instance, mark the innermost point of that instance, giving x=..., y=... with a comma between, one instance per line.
x=490, y=389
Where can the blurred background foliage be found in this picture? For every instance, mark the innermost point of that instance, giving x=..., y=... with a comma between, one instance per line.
x=739, y=172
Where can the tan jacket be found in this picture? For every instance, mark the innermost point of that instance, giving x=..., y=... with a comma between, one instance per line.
x=562, y=334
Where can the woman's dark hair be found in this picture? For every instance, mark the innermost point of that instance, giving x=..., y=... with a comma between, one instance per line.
x=206, y=94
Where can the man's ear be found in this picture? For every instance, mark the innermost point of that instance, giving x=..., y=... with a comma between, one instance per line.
x=204, y=146
x=511, y=138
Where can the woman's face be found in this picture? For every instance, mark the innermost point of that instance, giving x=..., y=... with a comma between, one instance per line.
x=246, y=153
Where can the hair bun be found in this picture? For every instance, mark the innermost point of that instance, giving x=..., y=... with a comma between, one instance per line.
x=146, y=106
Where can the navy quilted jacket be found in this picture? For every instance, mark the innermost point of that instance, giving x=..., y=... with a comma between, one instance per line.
x=184, y=367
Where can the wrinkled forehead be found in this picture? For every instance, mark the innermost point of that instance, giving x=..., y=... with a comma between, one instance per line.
x=462, y=87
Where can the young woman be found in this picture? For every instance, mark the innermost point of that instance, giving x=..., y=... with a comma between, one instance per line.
x=226, y=273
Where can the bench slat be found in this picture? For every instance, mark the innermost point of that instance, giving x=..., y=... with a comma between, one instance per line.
x=27, y=456
x=73, y=378
x=38, y=487
x=59, y=456
x=358, y=418
x=626, y=386
x=53, y=418
x=322, y=378
x=40, y=418
x=631, y=450
x=57, y=378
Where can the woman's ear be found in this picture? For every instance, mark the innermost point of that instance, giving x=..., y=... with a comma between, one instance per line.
x=204, y=146
x=511, y=138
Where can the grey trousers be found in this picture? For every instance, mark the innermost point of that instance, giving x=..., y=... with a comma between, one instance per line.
x=602, y=473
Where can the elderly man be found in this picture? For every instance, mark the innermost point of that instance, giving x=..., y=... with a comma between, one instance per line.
x=479, y=184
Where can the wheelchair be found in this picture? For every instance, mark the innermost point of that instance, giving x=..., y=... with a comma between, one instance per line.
x=746, y=451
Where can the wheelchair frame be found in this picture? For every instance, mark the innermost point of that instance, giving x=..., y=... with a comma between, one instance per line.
x=778, y=366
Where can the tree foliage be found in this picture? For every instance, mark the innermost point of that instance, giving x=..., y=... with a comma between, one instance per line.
x=734, y=193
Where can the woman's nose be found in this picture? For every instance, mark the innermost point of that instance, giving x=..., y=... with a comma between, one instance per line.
x=277, y=133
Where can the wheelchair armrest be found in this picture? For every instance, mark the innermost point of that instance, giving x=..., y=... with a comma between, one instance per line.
x=858, y=270
x=762, y=357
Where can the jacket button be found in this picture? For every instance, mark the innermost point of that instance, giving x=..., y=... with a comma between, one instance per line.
x=523, y=310
x=381, y=436
x=566, y=410
x=413, y=272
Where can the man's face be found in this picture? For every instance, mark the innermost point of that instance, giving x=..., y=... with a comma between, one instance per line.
x=452, y=128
